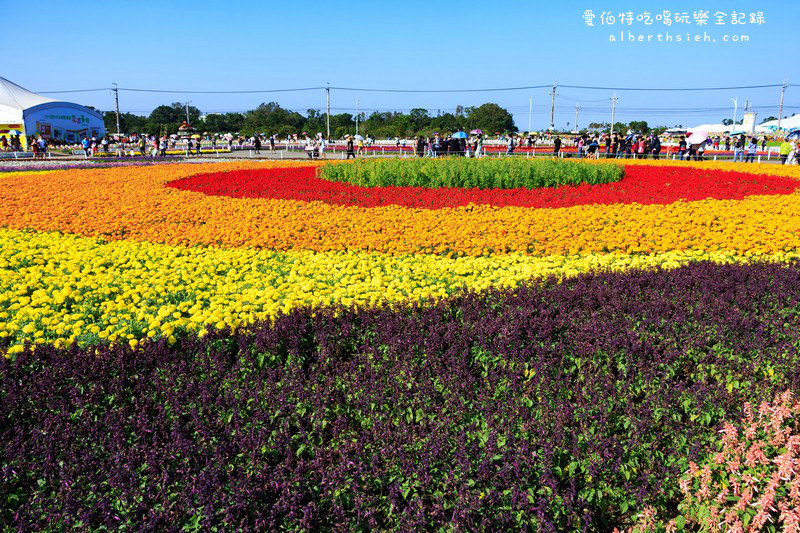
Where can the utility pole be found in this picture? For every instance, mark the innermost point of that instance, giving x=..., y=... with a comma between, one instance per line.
x=116, y=104
x=187, y=111
x=735, y=108
x=356, y=116
x=613, y=111
x=780, y=109
x=553, y=107
x=746, y=105
x=328, y=118
x=530, y=113
x=577, y=109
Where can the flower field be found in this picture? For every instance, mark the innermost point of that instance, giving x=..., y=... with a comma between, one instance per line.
x=254, y=346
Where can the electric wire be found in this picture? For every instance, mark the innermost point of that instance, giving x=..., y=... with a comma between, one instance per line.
x=483, y=90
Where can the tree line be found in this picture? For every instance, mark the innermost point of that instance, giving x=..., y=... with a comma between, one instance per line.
x=271, y=118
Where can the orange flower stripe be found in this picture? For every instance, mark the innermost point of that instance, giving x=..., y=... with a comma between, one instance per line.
x=134, y=204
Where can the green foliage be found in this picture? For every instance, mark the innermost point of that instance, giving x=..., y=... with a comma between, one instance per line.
x=491, y=118
x=271, y=118
x=218, y=122
x=508, y=173
x=174, y=113
x=128, y=122
x=639, y=126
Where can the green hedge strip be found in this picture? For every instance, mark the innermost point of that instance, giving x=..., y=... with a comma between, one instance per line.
x=508, y=173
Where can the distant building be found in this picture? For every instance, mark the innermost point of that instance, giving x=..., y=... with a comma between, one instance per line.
x=32, y=114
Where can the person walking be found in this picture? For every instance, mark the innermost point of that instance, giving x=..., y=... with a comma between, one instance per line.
x=257, y=144
x=320, y=146
x=478, y=145
x=309, y=147
x=271, y=143
x=750, y=156
x=682, y=147
x=701, y=150
x=738, y=149
x=785, y=150
x=510, y=148
x=420, y=147
x=556, y=146
x=655, y=147
x=350, y=148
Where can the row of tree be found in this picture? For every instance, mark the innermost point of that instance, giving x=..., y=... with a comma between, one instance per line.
x=271, y=118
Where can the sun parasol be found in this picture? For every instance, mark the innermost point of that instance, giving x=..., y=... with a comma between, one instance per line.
x=697, y=137
x=476, y=132
x=460, y=135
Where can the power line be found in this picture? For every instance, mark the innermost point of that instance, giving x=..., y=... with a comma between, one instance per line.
x=591, y=88
x=222, y=92
x=494, y=89
x=482, y=90
x=130, y=89
x=77, y=91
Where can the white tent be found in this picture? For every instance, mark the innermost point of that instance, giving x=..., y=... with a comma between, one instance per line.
x=790, y=123
x=711, y=128
x=30, y=113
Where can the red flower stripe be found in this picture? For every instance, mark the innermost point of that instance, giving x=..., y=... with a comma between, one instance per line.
x=642, y=185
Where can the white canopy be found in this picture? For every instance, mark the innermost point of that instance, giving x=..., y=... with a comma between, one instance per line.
x=790, y=123
x=711, y=128
x=15, y=99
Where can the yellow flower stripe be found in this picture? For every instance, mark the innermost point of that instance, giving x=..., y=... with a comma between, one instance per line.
x=58, y=288
x=120, y=203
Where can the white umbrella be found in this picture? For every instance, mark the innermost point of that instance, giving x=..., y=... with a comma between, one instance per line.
x=15, y=132
x=697, y=137
x=359, y=137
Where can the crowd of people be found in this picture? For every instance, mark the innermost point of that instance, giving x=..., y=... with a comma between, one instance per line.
x=10, y=143
x=745, y=149
x=475, y=144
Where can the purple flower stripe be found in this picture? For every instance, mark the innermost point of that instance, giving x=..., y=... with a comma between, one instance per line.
x=553, y=407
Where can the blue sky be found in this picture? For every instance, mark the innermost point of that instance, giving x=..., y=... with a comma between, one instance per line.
x=404, y=45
